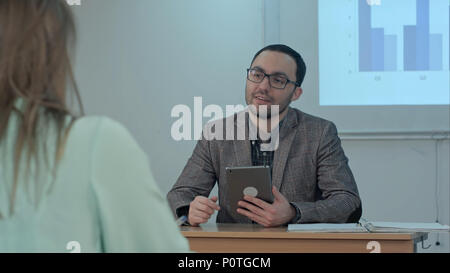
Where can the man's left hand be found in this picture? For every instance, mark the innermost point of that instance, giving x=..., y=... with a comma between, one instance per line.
x=278, y=213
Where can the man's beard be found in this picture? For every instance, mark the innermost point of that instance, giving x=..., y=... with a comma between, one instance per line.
x=264, y=111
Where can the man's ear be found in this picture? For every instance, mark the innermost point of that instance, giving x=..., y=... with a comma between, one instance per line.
x=297, y=93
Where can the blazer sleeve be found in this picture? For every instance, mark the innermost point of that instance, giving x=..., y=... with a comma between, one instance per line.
x=339, y=194
x=133, y=214
x=197, y=178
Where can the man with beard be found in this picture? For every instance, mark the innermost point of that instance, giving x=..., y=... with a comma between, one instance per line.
x=311, y=179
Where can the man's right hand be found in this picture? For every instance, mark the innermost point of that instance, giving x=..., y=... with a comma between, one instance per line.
x=201, y=209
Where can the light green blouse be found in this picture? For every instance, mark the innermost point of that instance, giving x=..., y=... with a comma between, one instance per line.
x=103, y=197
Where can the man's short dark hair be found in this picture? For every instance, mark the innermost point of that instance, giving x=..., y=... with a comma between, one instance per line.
x=301, y=67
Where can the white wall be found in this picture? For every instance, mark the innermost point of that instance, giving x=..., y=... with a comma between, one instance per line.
x=137, y=59
x=398, y=181
x=399, y=168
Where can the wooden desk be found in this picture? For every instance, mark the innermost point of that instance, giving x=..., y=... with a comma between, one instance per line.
x=239, y=238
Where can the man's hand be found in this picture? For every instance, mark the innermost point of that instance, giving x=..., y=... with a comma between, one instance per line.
x=201, y=209
x=268, y=215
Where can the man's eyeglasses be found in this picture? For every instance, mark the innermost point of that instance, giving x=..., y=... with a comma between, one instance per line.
x=275, y=80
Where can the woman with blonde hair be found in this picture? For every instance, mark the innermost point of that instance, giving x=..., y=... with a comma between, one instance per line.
x=67, y=180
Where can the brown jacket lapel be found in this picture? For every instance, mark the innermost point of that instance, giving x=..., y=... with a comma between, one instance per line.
x=242, y=148
x=287, y=135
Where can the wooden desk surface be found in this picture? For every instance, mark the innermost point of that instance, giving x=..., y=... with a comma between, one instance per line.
x=255, y=238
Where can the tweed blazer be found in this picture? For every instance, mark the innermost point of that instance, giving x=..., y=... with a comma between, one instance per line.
x=310, y=169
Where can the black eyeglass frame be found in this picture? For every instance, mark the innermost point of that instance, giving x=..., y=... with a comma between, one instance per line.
x=268, y=76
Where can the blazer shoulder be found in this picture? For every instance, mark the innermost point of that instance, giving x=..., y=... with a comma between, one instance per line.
x=308, y=120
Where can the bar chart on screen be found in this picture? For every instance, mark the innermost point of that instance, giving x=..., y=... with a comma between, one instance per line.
x=384, y=52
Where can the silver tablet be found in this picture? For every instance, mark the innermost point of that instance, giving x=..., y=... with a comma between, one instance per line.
x=254, y=181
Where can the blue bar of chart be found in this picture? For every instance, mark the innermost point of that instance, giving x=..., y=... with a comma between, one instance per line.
x=422, y=50
x=384, y=52
x=420, y=54
x=372, y=46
